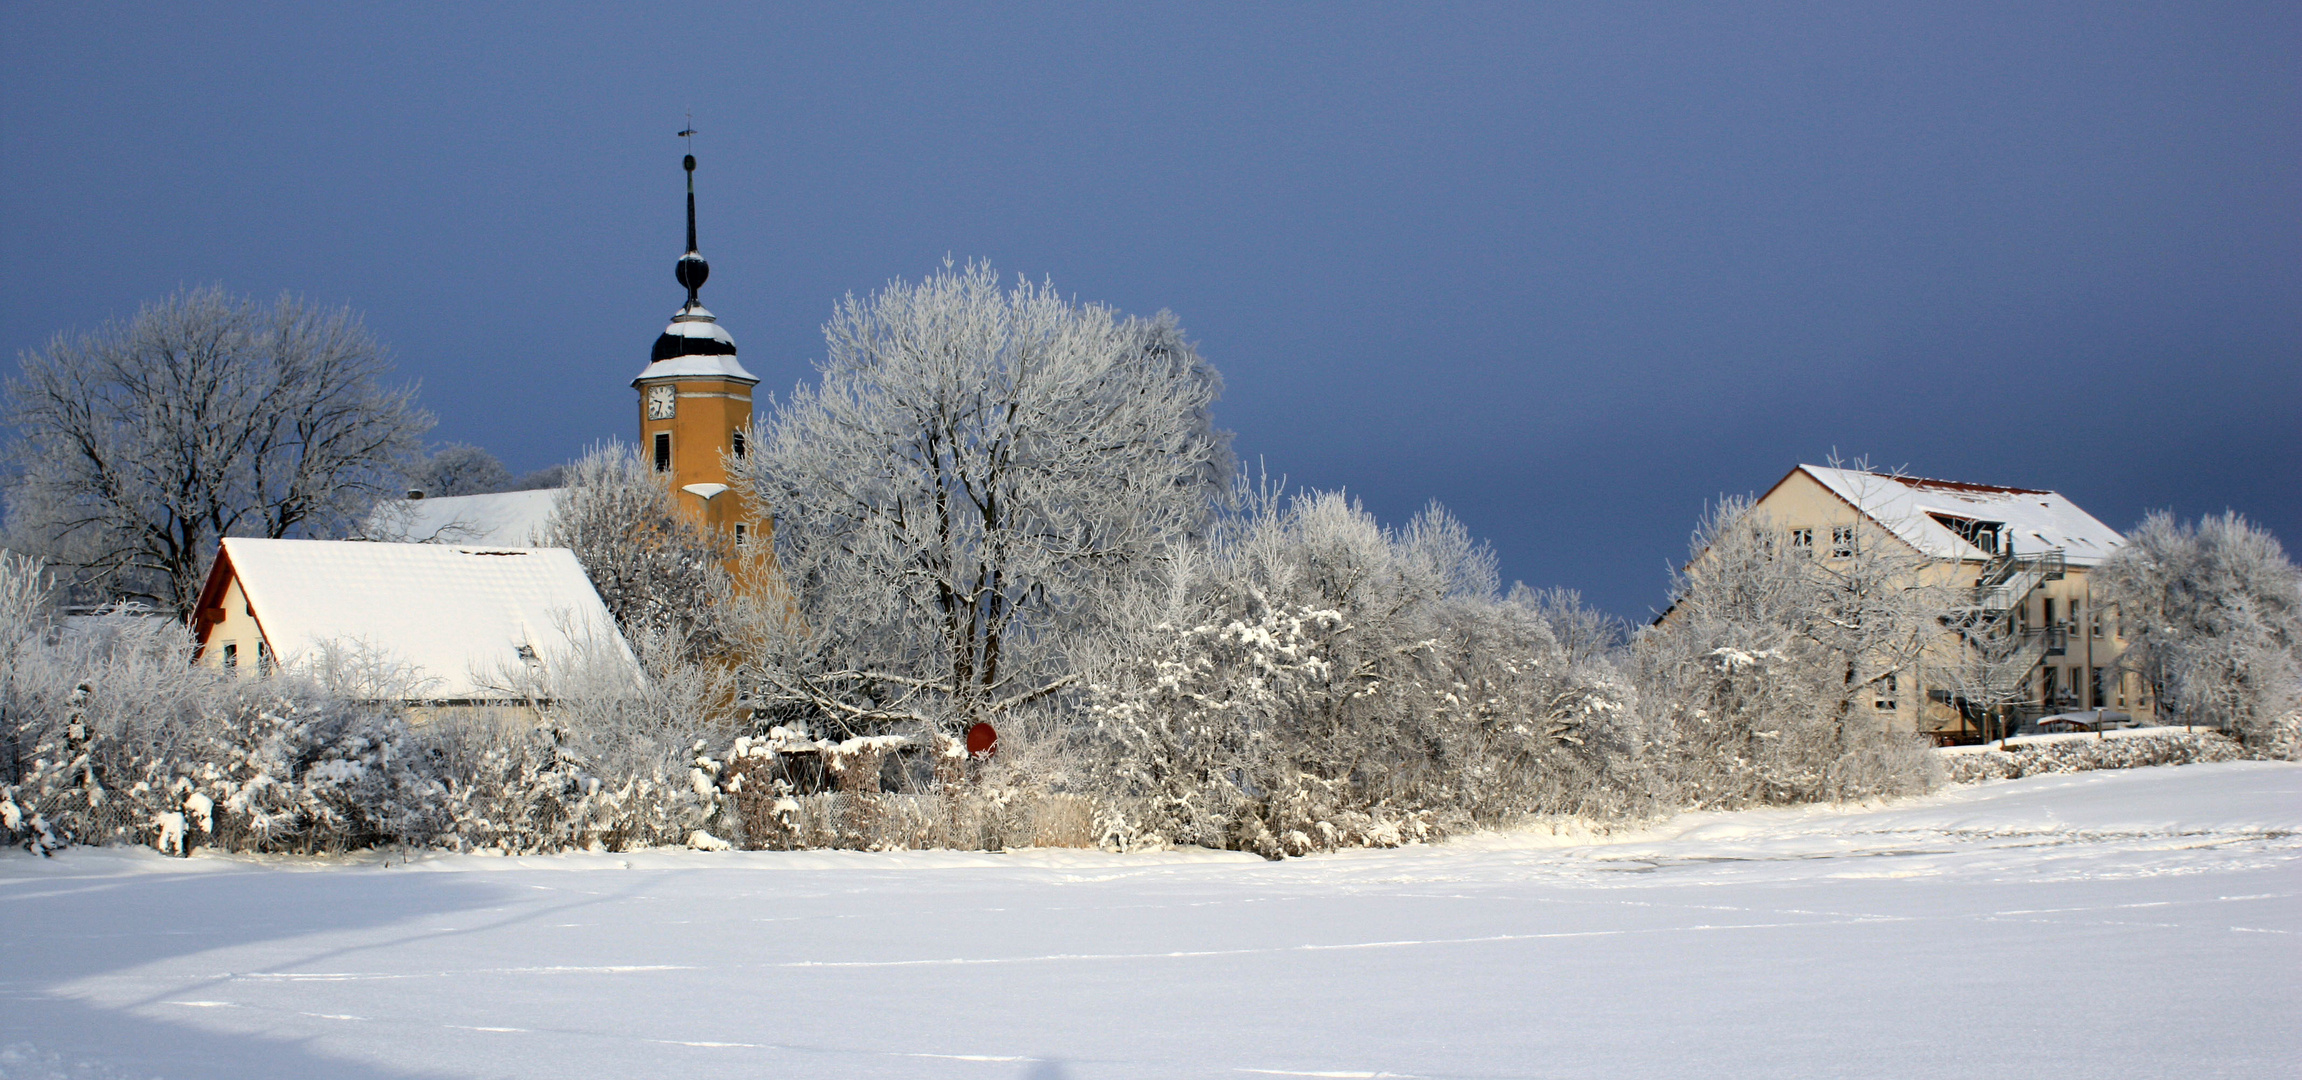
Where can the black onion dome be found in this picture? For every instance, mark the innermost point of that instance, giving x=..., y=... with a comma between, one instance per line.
x=693, y=332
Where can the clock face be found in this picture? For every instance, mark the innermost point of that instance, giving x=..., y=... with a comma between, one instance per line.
x=660, y=402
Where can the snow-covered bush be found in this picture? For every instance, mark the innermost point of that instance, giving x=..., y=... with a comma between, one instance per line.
x=2173, y=746
x=596, y=754
x=117, y=737
x=1316, y=681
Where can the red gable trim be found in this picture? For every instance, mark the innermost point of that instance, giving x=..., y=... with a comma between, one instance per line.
x=220, y=578
x=1960, y=485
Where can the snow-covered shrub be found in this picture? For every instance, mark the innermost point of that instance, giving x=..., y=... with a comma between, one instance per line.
x=144, y=747
x=596, y=754
x=1317, y=681
x=777, y=784
x=2174, y=746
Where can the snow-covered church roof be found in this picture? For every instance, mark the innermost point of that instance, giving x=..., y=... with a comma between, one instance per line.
x=507, y=518
x=457, y=619
x=694, y=345
x=1912, y=508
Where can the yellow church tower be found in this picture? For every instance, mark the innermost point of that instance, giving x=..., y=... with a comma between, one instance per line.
x=695, y=405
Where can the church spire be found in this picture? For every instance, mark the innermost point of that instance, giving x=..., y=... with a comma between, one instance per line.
x=693, y=331
x=691, y=270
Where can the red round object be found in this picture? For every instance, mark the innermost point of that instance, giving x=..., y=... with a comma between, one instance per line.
x=982, y=740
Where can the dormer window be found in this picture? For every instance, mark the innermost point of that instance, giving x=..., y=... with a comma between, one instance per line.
x=1984, y=535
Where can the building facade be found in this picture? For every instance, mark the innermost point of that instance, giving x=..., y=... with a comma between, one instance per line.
x=2018, y=557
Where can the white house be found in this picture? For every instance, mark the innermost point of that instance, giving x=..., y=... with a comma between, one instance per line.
x=431, y=624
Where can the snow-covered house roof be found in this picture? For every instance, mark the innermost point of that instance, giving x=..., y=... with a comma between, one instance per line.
x=508, y=518
x=457, y=618
x=1917, y=510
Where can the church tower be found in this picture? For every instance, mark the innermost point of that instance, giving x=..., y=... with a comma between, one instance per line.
x=695, y=402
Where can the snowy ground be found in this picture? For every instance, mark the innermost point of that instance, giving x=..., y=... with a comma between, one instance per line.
x=2141, y=923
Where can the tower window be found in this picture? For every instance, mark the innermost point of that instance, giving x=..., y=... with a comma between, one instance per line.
x=741, y=534
x=663, y=451
x=736, y=444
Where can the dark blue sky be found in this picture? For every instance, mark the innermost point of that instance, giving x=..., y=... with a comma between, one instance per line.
x=1572, y=270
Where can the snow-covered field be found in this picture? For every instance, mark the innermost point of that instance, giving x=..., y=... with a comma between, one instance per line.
x=2140, y=923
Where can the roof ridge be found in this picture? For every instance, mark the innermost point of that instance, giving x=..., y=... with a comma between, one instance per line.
x=1928, y=481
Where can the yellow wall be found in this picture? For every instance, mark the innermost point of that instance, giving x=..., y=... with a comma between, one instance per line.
x=236, y=628
x=707, y=414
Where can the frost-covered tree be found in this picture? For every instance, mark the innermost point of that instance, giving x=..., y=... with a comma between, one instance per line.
x=1754, y=678
x=2212, y=612
x=460, y=469
x=550, y=476
x=205, y=416
x=657, y=572
x=976, y=472
x=1990, y=668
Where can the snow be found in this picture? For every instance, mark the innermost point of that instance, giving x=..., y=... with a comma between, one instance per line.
x=2017, y=742
x=2138, y=923
x=698, y=323
x=2035, y=520
x=510, y=518
x=455, y=616
x=721, y=366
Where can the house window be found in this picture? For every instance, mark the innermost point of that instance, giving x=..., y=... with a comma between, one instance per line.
x=741, y=534
x=231, y=656
x=2097, y=683
x=663, y=451
x=735, y=444
x=263, y=658
x=1841, y=541
x=1802, y=540
x=1886, y=689
x=2046, y=610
